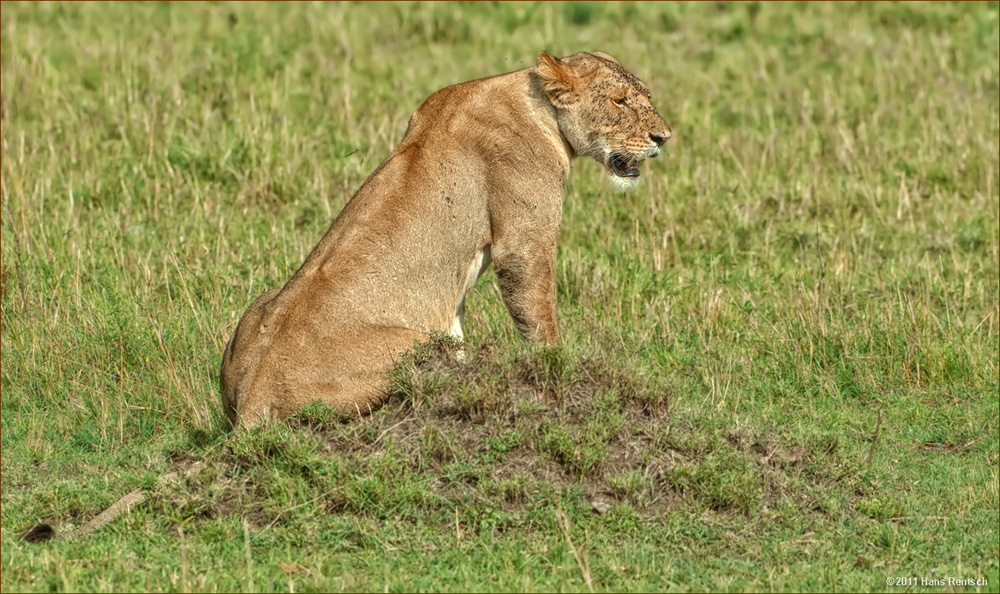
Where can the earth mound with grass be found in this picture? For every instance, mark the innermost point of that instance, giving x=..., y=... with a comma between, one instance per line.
x=508, y=431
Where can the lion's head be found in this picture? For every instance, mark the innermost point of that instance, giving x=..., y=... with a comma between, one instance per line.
x=604, y=112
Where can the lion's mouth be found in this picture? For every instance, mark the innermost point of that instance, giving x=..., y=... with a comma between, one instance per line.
x=624, y=166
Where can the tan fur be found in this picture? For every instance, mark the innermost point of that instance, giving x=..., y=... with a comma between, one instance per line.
x=479, y=176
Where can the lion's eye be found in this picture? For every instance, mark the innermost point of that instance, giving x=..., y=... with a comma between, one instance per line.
x=620, y=101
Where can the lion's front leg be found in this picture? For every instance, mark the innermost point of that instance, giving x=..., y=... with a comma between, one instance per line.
x=526, y=274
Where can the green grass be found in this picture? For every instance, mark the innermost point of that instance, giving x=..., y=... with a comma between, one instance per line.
x=818, y=250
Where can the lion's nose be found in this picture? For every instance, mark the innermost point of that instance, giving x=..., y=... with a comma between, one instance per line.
x=660, y=138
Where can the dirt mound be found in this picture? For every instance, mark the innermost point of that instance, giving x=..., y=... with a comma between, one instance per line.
x=487, y=442
x=511, y=426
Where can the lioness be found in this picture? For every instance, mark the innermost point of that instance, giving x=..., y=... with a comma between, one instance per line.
x=478, y=178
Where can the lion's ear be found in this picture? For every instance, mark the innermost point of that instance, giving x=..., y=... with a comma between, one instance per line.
x=558, y=80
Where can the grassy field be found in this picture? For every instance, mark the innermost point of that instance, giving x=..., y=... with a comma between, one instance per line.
x=780, y=359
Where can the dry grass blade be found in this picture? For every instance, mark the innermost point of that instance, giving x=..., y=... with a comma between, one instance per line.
x=582, y=560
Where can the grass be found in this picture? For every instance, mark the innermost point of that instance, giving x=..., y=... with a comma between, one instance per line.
x=780, y=358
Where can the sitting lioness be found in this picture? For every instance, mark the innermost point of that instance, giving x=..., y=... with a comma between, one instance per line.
x=478, y=178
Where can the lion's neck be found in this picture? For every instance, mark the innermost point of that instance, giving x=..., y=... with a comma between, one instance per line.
x=543, y=114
